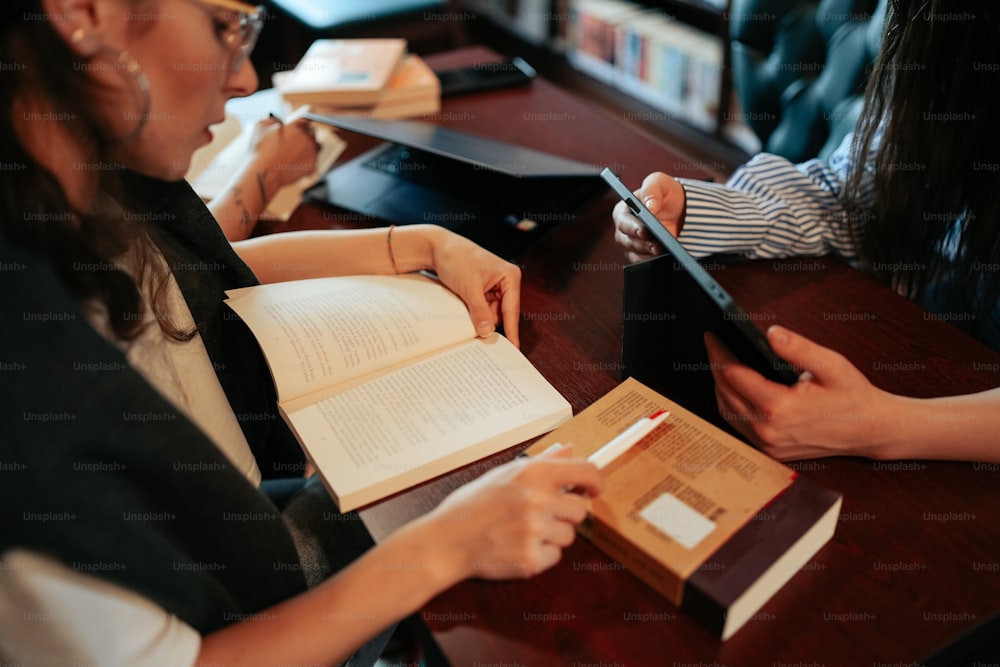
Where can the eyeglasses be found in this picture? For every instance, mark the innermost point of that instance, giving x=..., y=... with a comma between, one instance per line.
x=243, y=32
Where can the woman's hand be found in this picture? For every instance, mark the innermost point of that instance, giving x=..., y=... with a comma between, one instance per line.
x=280, y=154
x=514, y=521
x=489, y=286
x=665, y=199
x=283, y=152
x=832, y=410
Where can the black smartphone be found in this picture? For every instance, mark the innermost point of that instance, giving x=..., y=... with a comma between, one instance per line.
x=694, y=303
x=485, y=76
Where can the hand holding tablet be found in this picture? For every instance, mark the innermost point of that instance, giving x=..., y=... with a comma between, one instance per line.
x=717, y=310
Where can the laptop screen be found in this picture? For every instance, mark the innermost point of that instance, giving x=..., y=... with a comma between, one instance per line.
x=482, y=153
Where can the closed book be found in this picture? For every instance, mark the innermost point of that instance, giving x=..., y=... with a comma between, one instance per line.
x=758, y=560
x=714, y=525
x=342, y=72
x=414, y=90
x=387, y=111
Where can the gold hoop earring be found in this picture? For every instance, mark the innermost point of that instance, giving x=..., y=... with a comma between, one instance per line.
x=126, y=62
x=127, y=67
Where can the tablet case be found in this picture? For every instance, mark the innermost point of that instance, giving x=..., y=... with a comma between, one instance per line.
x=664, y=320
x=659, y=348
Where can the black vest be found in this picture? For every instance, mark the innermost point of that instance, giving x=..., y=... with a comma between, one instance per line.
x=102, y=473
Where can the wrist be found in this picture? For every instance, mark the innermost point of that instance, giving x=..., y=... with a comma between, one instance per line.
x=892, y=436
x=414, y=247
x=268, y=183
x=426, y=544
x=256, y=186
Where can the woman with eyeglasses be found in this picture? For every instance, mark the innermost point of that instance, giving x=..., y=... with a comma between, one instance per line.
x=138, y=415
x=279, y=154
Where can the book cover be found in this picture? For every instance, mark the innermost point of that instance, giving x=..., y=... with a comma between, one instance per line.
x=342, y=72
x=385, y=384
x=709, y=522
x=414, y=90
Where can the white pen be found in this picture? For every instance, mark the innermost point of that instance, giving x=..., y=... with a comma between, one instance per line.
x=626, y=439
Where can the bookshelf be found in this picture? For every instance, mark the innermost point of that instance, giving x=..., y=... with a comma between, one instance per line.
x=662, y=64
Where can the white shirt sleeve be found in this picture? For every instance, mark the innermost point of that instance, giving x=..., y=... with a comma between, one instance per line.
x=53, y=615
x=772, y=208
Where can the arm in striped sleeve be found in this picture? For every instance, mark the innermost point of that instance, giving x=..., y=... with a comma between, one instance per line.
x=773, y=208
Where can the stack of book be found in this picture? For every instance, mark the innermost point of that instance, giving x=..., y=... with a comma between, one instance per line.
x=375, y=78
x=649, y=55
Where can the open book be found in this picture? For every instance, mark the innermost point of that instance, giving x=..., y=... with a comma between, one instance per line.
x=714, y=525
x=385, y=384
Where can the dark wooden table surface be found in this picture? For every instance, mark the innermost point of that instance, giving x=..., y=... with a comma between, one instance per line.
x=915, y=561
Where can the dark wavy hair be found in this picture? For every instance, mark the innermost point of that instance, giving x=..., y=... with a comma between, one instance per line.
x=36, y=213
x=935, y=94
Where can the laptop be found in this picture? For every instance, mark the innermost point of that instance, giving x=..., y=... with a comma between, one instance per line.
x=503, y=196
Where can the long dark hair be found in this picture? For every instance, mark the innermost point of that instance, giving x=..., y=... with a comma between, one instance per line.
x=36, y=213
x=934, y=95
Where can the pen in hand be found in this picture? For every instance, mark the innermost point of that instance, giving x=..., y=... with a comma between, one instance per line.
x=621, y=443
x=296, y=116
x=626, y=439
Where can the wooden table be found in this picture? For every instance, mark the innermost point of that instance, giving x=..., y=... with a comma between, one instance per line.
x=916, y=557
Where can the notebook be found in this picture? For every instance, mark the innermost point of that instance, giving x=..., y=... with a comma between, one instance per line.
x=503, y=196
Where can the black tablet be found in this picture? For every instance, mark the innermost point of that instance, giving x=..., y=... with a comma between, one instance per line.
x=688, y=303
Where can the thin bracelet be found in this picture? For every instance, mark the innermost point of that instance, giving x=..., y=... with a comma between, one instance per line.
x=388, y=244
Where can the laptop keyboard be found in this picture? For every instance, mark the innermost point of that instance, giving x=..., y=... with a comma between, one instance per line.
x=389, y=159
x=413, y=165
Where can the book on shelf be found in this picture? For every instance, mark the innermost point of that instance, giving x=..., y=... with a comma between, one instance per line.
x=591, y=45
x=413, y=90
x=650, y=55
x=385, y=384
x=699, y=67
x=714, y=525
x=675, y=67
x=342, y=72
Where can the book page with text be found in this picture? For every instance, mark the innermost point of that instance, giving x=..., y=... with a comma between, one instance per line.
x=317, y=333
x=426, y=418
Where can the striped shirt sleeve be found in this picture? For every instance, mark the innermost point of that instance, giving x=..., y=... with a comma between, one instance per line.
x=772, y=208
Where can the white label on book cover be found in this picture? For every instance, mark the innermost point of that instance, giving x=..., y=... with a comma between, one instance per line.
x=678, y=520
